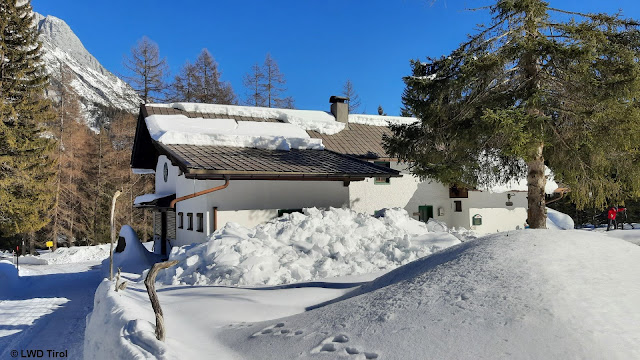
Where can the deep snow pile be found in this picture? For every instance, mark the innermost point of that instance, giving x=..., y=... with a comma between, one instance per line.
x=76, y=254
x=119, y=328
x=301, y=247
x=558, y=220
x=135, y=258
x=532, y=294
x=8, y=274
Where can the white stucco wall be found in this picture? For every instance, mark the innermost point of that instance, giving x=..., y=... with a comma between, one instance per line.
x=251, y=202
x=409, y=193
x=169, y=186
x=496, y=215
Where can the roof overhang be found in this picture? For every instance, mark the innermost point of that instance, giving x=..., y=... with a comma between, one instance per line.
x=162, y=203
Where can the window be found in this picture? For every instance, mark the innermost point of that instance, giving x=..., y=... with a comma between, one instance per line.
x=456, y=192
x=288, y=211
x=200, y=222
x=458, y=205
x=382, y=180
x=180, y=220
x=189, y=221
x=165, y=172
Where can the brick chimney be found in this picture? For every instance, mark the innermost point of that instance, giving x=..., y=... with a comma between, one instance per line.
x=340, y=109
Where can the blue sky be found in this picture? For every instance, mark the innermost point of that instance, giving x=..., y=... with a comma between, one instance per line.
x=318, y=44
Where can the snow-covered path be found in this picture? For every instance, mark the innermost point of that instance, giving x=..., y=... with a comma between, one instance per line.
x=47, y=309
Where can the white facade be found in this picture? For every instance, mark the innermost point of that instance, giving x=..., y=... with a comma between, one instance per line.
x=247, y=202
x=252, y=202
x=410, y=193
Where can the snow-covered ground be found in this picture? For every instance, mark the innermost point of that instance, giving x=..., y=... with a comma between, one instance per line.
x=44, y=308
x=527, y=294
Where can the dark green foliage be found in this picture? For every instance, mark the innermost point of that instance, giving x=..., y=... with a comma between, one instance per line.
x=528, y=80
x=26, y=162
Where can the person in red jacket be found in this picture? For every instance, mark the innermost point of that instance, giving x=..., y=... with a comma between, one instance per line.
x=612, y=215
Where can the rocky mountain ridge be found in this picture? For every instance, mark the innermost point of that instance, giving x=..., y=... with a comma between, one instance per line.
x=100, y=92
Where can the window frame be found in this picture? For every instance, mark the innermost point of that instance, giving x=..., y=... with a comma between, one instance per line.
x=190, y=221
x=181, y=220
x=382, y=180
x=457, y=206
x=200, y=222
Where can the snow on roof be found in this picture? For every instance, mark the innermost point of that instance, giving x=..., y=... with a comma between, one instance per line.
x=149, y=197
x=520, y=185
x=142, y=171
x=179, y=129
x=380, y=120
x=315, y=120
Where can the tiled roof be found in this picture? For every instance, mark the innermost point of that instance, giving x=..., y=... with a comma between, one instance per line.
x=158, y=110
x=216, y=161
x=364, y=141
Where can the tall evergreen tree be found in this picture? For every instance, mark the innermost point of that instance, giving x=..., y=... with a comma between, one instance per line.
x=27, y=165
x=531, y=89
x=147, y=70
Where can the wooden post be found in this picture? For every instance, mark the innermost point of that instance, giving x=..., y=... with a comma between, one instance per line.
x=215, y=218
x=150, y=283
x=113, y=232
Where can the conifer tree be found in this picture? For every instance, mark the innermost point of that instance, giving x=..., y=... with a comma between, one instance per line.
x=265, y=86
x=354, y=100
x=273, y=85
x=200, y=82
x=27, y=166
x=147, y=70
x=252, y=81
x=184, y=84
x=531, y=89
x=209, y=88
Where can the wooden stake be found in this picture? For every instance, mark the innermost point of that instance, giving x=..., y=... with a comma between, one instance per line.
x=150, y=283
x=113, y=231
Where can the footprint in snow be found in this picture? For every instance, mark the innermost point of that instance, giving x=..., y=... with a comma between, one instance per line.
x=277, y=330
x=336, y=344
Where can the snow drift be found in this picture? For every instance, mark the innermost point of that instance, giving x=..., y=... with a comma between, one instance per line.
x=135, y=258
x=301, y=247
x=8, y=274
x=531, y=294
x=76, y=254
x=117, y=328
x=558, y=220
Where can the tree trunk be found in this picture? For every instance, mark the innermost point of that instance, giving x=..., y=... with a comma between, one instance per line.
x=32, y=243
x=150, y=284
x=113, y=231
x=536, y=182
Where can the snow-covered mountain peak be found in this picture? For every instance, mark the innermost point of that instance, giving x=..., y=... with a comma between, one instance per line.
x=97, y=87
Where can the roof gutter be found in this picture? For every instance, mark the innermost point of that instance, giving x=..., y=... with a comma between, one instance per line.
x=224, y=186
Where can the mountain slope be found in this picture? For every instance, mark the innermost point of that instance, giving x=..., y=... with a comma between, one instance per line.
x=99, y=90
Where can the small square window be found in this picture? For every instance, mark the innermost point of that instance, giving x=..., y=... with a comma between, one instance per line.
x=180, y=220
x=189, y=221
x=458, y=205
x=200, y=222
x=382, y=180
